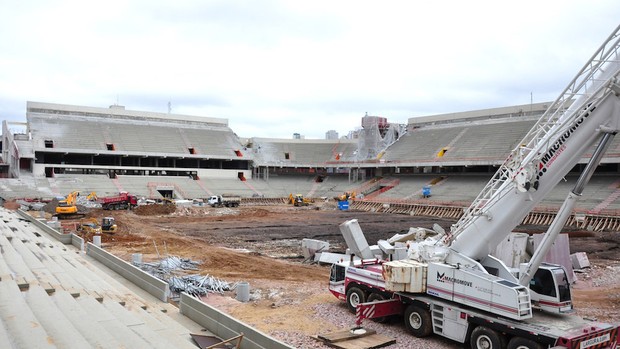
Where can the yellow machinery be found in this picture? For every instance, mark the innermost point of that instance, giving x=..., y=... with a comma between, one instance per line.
x=67, y=206
x=346, y=196
x=90, y=227
x=108, y=225
x=298, y=200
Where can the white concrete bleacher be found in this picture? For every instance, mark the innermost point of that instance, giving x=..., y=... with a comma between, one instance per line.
x=188, y=188
x=409, y=187
x=25, y=187
x=65, y=133
x=602, y=192
x=462, y=142
x=233, y=186
x=422, y=144
x=334, y=185
x=85, y=184
x=302, y=152
x=490, y=142
x=284, y=184
x=212, y=142
x=51, y=295
x=134, y=136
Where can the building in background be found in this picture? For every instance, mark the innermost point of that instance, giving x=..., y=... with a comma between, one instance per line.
x=331, y=134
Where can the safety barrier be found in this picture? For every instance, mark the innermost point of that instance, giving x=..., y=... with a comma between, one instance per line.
x=64, y=238
x=263, y=201
x=156, y=287
x=225, y=326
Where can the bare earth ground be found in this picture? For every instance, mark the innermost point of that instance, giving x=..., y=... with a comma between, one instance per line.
x=289, y=299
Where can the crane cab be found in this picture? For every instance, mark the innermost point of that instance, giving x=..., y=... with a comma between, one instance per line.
x=550, y=289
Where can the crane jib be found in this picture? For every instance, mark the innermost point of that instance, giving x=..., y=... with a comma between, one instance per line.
x=558, y=145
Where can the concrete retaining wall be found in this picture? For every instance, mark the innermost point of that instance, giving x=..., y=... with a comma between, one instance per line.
x=225, y=326
x=142, y=279
x=64, y=238
x=77, y=242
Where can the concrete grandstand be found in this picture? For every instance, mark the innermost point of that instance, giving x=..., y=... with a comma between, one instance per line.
x=64, y=148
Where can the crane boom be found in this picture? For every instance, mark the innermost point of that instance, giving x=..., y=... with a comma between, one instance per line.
x=588, y=108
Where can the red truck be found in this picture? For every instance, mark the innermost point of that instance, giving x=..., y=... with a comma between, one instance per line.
x=122, y=201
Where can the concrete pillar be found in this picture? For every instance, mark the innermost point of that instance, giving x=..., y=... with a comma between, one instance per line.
x=97, y=240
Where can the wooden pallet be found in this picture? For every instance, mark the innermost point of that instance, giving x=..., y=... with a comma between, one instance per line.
x=348, y=339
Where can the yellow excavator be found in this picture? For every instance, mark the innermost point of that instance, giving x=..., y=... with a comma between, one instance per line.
x=89, y=227
x=67, y=207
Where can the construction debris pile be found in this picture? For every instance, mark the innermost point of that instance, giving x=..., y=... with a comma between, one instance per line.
x=170, y=269
x=198, y=285
x=155, y=209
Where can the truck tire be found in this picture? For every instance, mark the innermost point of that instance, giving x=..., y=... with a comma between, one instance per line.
x=374, y=296
x=355, y=296
x=485, y=338
x=418, y=321
x=523, y=343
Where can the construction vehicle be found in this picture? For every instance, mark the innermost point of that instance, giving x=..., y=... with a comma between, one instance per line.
x=298, y=200
x=346, y=196
x=92, y=226
x=89, y=227
x=447, y=283
x=67, y=207
x=122, y=201
x=224, y=200
x=108, y=225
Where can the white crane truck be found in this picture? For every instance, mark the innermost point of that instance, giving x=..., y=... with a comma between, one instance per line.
x=450, y=285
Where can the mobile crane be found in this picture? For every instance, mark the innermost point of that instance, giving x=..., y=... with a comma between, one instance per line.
x=451, y=286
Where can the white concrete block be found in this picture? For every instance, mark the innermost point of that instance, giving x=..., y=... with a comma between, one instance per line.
x=355, y=239
x=310, y=247
x=580, y=260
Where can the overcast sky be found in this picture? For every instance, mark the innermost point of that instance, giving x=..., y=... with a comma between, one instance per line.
x=273, y=68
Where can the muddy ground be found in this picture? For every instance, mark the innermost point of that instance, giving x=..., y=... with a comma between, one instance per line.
x=262, y=245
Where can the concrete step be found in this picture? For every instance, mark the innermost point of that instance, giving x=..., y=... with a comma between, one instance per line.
x=60, y=330
x=111, y=323
x=82, y=320
x=15, y=263
x=20, y=323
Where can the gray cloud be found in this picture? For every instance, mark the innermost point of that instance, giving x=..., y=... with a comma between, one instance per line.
x=277, y=67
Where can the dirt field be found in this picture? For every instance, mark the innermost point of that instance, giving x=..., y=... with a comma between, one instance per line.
x=262, y=245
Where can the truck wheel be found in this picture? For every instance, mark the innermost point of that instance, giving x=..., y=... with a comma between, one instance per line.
x=485, y=338
x=523, y=343
x=355, y=296
x=418, y=321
